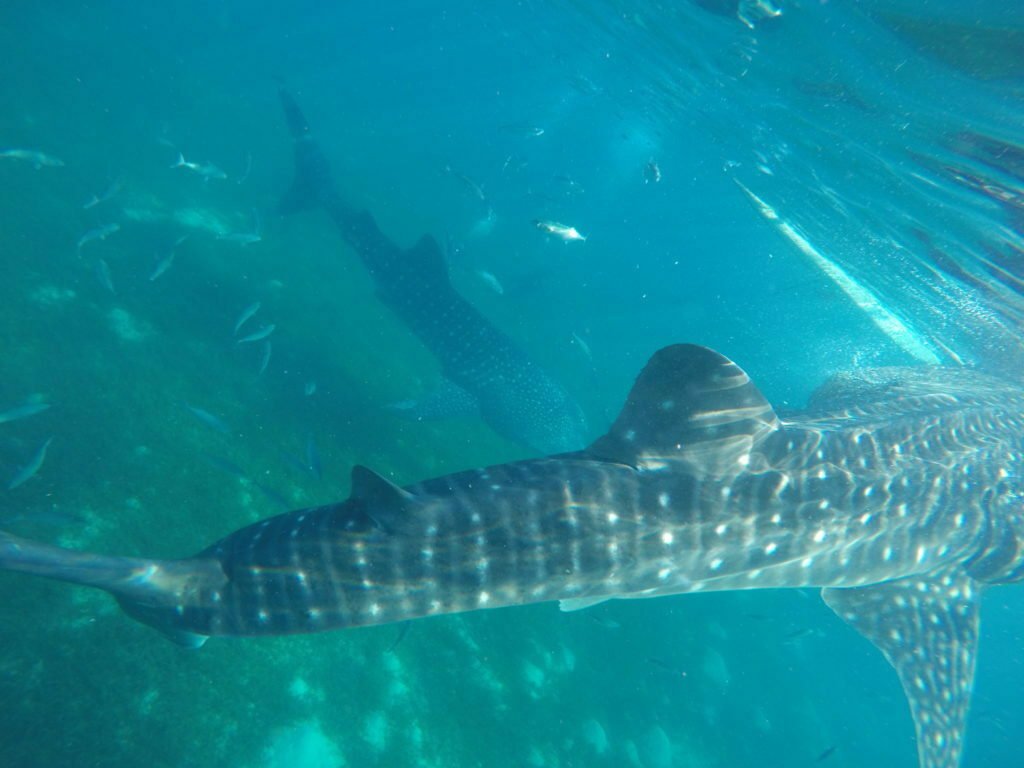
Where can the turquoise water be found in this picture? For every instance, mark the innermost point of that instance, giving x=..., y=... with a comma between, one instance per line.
x=859, y=128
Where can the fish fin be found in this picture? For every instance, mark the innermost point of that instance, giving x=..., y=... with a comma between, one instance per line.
x=121, y=576
x=688, y=403
x=580, y=603
x=427, y=259
x=312, y=185
x=377, y=491
x=401, y=275
x=378, y=501
x=190, y=640
x=142, y=588
x=927, y=628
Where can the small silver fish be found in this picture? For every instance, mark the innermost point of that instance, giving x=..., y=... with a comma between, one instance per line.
x=240, y=238
x=245, y=238
x=37, y=159
x=246, y=315
x=522, y=130
x=206, y=170
x=109, y=192
x=584, y=347
x=492, y=282
x=22, y=411
x=566, y=233
x=259, y=335
x=28, y=471
x=652, y=173
x=472, y=186
x=214, y=422
x=163, y=263
x=569, y=184
x=265, y=357
x=100, y=233
x=165, y=260
x=310, y=389
x=103, y=275
x=514, y=164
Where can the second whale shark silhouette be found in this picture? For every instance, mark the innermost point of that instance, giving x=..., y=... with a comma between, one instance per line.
x=898, y=493
x=485, y=371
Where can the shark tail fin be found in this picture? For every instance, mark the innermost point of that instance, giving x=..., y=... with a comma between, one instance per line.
x=927, y=628
x=121, y=576
x=139, y=585
x=312, y=185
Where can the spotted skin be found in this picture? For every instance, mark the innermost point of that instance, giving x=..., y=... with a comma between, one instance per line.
x=510, y=391
x=899, y=495
x=927, y=628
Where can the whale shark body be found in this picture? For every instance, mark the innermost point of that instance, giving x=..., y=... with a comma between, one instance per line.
x=898, y=493
x=486, y=372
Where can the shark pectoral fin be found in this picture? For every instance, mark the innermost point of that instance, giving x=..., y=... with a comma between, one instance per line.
x=579, y=603
x=189, y=640
x=691, y=403
x=927, y=628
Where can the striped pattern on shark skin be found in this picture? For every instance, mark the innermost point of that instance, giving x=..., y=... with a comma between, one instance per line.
x=902, y=504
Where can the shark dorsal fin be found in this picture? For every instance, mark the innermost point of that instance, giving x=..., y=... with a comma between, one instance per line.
x=692, y=403
x=427, y=260
x=377, y=492
x=313, y=185
x=927, y=628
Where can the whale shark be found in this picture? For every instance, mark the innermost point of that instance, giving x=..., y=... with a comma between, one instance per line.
x=485, y=372
x=898, y=492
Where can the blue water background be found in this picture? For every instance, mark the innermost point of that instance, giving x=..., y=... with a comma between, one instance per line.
x=841, y=118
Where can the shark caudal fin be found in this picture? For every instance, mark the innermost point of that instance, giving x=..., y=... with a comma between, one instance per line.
x=139, y=585
x=927, y=628
x=312, y=184
x=688, y=403
x=114, y=574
